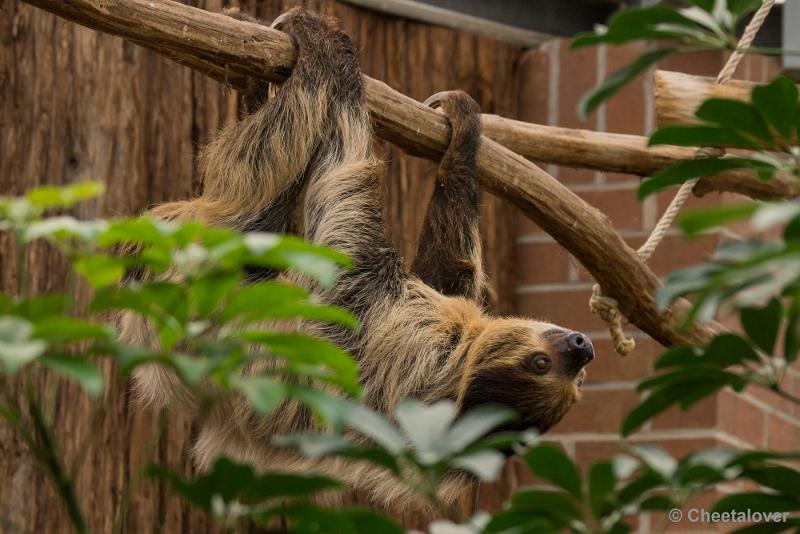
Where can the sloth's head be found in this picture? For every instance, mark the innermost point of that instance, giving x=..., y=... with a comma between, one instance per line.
x=532, y=367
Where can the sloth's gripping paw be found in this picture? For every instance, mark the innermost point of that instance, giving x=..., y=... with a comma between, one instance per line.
x=465, y=123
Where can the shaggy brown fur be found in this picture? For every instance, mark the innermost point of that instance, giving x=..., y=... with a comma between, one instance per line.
x=424, y=334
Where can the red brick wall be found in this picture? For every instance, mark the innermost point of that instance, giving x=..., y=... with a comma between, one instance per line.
x=550, y=285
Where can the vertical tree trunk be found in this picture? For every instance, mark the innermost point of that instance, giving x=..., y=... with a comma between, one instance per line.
x=78, y=105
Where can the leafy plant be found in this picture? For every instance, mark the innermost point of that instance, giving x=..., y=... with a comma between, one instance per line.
x=697, y=25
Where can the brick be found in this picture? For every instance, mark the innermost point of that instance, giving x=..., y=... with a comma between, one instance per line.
x=524, y=226
x=625, y=111
x=678, y=252
x=589, y=451
x=741, y=419
x=609, y=366
x=620, y=205
x=523, y=474
x=568, y=308
x=617, y=177
x=598, y=411
x=534, y=84
x=744, y=71
x=773, y=399
x=783, y=433
x=577, y=75
x=692, y=203
x=701, y=415
x=539, y=263
x=569, y=175
x=706, y=63
x=673, y=253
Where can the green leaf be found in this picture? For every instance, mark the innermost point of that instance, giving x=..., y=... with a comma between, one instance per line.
x=85, y=373
x=728, y=349
x=475, y=424
x=426, y=427
x=689, y=169
x=307, y=519
x=553, y=504
x=743, y=7
x=762, y=324
x=375, y=427
x=62, y=228
x=305, y=355
x=653, y=405
x=516, y=521
x=486, y=464
x=736, y=115
x=614, y=83
x=315, y=446
x=601, y=485
x=64, y=329
x=639, y=486
x=700, y=220
x=700, y=135
x=100, y=271
x=231, y=481
x=328, y=409
x=777, y=477
x=550, y=463
x=756, y=502
x=657, y=502
x=791, y=342
x=657, y=459
x=17, y=349
x=52, y=197
x=264, y=393
x=275, y=300
x=777, y=104
x=209, y=292
x=654, y=22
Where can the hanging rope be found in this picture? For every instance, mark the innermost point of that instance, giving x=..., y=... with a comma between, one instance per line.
x=605, y=307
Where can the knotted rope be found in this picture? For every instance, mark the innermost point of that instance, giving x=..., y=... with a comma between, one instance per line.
x=607, y=308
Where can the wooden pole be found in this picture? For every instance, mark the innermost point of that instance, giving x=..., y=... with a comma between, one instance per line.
x=623, y=153
x=231, y=50
x=678, y=95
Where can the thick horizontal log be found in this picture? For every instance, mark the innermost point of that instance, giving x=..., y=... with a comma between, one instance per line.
x=232, y=50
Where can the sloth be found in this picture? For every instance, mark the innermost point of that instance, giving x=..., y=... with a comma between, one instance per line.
x=423, y=333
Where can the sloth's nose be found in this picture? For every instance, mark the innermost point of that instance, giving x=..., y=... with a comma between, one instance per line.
x=580, y=347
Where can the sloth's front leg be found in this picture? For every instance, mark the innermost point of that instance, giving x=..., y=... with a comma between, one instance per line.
x=448, y=256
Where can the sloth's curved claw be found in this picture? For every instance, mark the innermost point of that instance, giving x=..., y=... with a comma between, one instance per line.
x=435, y=100
x=280, y=21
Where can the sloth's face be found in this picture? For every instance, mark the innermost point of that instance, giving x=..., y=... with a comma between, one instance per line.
x=532, y=367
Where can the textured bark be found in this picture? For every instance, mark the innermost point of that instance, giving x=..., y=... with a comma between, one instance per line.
x=76, y=105
x=677, y=96
x=625, y=153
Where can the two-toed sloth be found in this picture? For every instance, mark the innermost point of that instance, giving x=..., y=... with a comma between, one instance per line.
x=423, y=331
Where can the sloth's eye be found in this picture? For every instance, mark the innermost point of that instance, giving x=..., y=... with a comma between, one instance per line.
x=540, y=364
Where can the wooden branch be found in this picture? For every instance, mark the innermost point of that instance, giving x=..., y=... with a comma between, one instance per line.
x=233, y=50
x=678, y=95
x=622, y=153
